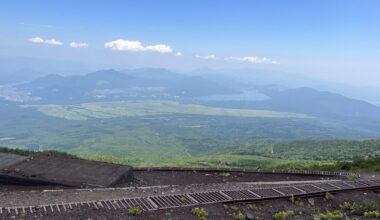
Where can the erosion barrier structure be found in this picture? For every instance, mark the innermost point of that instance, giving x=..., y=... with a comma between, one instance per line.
x=61, y=171
x=157, y=202
x=250, y=170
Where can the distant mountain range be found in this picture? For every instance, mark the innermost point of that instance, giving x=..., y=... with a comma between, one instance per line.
x=114, y=85
x=309, y=101
x=161, y=84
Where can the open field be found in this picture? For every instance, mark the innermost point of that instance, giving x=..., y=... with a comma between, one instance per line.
x=149, y=108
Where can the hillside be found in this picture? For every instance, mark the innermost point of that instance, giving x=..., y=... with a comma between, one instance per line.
x=308, y=101
x=317, y=150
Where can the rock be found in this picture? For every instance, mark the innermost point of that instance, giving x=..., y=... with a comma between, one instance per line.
x=249, y=216
x=311, y=201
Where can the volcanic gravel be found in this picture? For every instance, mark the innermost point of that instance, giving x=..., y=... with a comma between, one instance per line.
x=265, y=210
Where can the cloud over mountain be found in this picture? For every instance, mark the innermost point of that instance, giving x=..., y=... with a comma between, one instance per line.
x=252, y=59
x=136, y=46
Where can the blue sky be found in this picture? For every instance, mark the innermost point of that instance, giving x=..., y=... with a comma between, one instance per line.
x=334, y=40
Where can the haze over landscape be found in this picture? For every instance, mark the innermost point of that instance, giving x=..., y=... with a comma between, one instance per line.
x=197, y=83
x=199, y=109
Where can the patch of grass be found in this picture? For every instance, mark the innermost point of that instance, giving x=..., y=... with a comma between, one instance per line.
x=238, y=215
x=372, y=214
x=351, y=177
x=367, y=206
x=330, y=215
x=224, y=174
x=200, y=213
x=251, y=207
x=283, y=215
x=347, y=206
x=232, y=208
x=134, y=211
x=296, y=201
x=328, y=196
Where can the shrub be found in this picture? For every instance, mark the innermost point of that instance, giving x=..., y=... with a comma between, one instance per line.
x=283, y=215
x=251, y=207
x=200, y=213
x=233, y=208
x=347, y=206
x=296, y=201
x=134, y=211
x=330, y=215
x=329, y=196
x=367, y=206
x=238, y=215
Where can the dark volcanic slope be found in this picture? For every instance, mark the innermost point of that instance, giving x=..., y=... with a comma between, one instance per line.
x=67, y=171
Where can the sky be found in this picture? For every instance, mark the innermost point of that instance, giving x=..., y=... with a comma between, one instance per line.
x=336, y=40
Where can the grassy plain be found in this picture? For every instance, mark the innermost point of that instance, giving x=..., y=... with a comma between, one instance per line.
x=149, y=108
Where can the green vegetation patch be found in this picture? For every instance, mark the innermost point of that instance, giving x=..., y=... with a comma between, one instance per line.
x=330, y=215
x=317, y=149
x=134, y=211
x=283, y=215
x=296, y=201
x=224, y=174
x=200, y=213
x=328, y=196
x=372, y=214
x=367, y=206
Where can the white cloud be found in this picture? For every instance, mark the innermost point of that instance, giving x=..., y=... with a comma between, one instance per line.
x=53, y=42
x=78, y=44
x=206, y=57
x=160, y=48
x=40, y=40
x=252, y=59
x=124, y=45
x=136, y=46
x=178, y=54
x=36, y=40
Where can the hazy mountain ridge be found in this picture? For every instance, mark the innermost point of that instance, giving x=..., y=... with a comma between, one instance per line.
x=162, y=84
x=77, y=88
